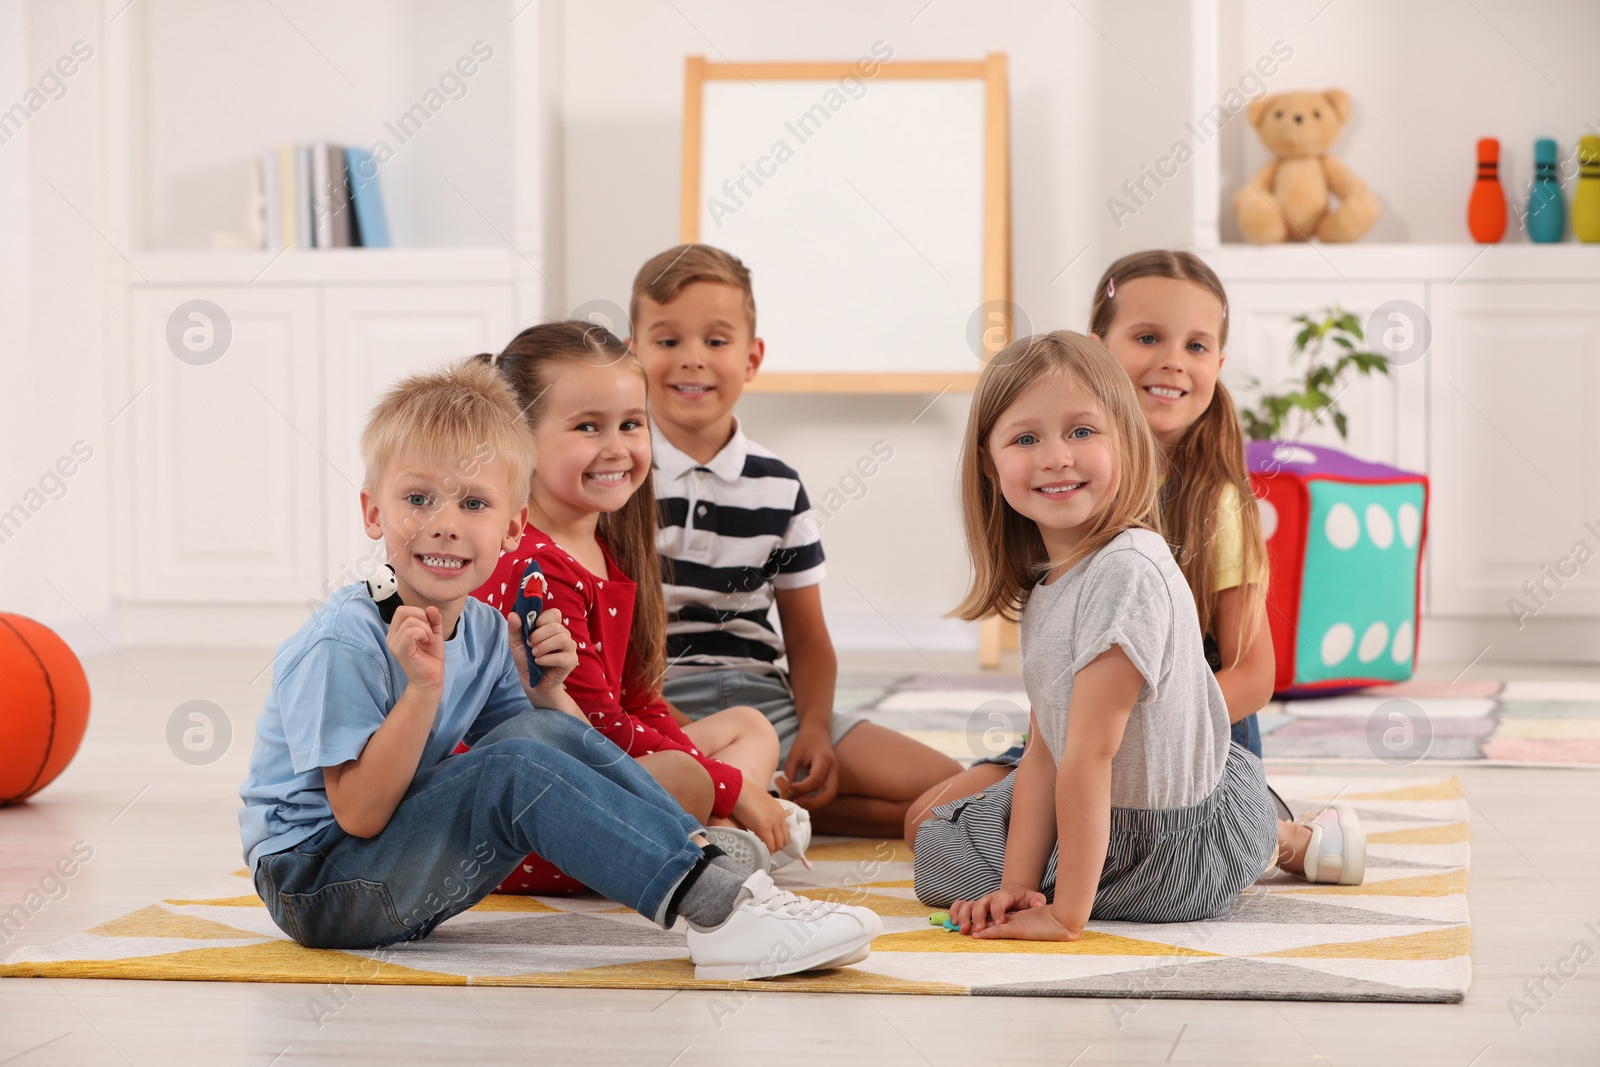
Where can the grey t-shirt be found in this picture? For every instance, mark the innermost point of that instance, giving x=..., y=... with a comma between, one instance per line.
x=1131, y=593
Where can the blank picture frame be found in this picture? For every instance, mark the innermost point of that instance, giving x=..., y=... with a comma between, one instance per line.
x=871, y=202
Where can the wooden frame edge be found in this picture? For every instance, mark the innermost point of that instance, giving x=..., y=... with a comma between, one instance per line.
x=827, y=69
x=694, y=76
x=996, y=269
x=849, y=382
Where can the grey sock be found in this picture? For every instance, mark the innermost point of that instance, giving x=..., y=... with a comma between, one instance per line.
x=721, y=859
x=709, y=898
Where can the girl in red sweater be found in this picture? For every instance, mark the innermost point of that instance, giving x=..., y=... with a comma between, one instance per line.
x=591, y=528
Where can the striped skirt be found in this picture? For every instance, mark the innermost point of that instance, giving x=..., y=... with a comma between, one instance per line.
x=1162, y=866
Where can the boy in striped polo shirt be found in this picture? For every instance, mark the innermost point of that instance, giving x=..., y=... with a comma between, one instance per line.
x=737, y=536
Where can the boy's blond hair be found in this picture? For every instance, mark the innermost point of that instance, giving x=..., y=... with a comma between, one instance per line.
x=663, y=276
x=465, y=415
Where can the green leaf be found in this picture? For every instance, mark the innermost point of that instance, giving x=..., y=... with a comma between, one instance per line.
x=1341, y=424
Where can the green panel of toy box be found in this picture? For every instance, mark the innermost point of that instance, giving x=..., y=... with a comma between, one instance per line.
x=1358, y=598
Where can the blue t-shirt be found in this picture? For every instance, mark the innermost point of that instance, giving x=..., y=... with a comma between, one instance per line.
x=333, y=681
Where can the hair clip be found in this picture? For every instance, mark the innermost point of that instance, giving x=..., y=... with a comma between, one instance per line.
x=1111, y=288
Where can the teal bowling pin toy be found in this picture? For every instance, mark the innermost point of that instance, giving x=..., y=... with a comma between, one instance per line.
x=1486, y=211
x=1547, y=212
x=1586, y=201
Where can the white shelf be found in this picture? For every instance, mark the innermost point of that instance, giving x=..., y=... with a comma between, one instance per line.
x=334, y=266
x=1375, y=262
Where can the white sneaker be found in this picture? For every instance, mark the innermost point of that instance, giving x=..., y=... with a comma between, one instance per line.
x=1337, y=854
x=741, y=846
x=799, y=820
x=773, y=932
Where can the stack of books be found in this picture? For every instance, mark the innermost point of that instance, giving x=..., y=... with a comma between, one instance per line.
x=320, y=196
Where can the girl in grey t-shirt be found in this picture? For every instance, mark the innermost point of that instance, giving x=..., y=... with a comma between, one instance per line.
x=1131, y=802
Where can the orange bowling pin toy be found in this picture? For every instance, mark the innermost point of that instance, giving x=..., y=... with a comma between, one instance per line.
x=1486, y=211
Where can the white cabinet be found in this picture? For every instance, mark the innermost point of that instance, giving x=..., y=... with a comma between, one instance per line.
x=244, y=467
x=1515, y=447
x=223, y=451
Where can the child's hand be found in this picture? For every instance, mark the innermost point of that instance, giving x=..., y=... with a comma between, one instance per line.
x=554, y=650
x=560, y=657
x=762, y=816
x=1031, y=924
x=416, y=639
x=994, y=909
x=813, y=751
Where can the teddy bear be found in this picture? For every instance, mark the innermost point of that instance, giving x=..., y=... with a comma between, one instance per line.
x=1288, y=199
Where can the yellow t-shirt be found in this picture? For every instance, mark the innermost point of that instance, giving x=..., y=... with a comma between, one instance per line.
x=1227, y=562
x=1227, y=547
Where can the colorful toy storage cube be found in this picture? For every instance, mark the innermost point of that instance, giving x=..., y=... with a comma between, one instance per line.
x=1344, y=543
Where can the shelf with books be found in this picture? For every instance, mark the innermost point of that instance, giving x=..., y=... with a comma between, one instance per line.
x=444, y=111
x=317, y=196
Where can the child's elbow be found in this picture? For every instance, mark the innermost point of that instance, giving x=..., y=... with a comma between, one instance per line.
x=358, y=823
x=1259, y=692
x=357, y=827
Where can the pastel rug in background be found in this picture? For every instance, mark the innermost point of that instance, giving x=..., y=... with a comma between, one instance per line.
x=1549, y=723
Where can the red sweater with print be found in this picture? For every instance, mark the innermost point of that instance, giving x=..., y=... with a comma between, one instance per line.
x=599, y=614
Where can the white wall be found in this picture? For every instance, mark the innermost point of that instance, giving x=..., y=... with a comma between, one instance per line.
x=1086, y=112
x=56, y=567
x=16, y=321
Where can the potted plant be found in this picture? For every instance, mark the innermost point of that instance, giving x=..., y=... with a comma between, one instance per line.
x=1332, y=344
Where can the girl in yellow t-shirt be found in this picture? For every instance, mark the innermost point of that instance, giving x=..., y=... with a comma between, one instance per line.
x=1164, y=316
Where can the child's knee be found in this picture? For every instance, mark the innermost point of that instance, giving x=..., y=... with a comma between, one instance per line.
x=916, y=815
x=683, y=776
x=542, y=725
x=753, y=724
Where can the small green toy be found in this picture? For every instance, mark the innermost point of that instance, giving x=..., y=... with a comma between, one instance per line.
x=939, y=918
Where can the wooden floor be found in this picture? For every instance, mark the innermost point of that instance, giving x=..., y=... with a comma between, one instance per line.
x=157, y=824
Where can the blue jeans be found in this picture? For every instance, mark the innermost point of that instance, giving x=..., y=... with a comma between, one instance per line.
x=1247, y=732
x=542, y=782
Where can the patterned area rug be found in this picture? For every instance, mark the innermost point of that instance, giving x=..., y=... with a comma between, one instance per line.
x=1401, y=936
x=1528, y=723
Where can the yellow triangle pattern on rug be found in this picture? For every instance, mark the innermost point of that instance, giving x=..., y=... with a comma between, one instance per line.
x=1403, y=935
x=248, y=900
x=156, y=921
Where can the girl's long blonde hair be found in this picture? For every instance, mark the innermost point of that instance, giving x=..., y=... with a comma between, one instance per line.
x=530, y=363
x=1209, y=457
x=1007, y=552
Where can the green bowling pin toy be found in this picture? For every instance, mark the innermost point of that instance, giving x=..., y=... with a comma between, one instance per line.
x=1547, y=212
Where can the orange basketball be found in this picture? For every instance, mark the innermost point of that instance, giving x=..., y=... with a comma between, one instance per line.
x=44, y=707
